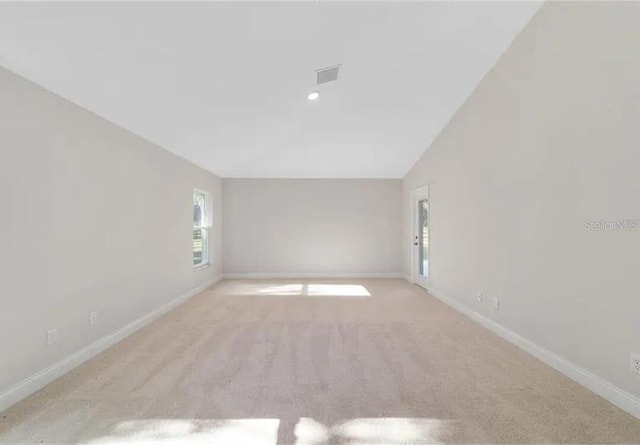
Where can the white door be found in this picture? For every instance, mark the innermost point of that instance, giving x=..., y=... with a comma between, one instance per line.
x=420, y=242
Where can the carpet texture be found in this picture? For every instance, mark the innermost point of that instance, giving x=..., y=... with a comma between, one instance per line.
x=315, y=362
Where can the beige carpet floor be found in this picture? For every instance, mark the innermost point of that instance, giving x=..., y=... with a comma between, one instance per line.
x=314, y=362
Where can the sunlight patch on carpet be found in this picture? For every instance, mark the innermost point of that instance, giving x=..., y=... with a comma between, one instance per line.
x=192, y=432
x=369, y=431
x=306, y=290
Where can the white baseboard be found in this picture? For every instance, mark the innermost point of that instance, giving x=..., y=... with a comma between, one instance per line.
x=261, y=275
x=39, y=380
x=617, y=396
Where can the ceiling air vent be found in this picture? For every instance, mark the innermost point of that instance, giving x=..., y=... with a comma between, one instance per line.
x=326, y=75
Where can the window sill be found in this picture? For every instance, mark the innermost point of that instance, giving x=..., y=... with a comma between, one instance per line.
x=201, y=267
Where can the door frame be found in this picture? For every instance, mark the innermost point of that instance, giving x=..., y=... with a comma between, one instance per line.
x=417, y=195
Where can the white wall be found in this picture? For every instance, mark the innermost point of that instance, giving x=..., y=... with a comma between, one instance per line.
x=312, y=226
x=92, y=218
x=550, y=139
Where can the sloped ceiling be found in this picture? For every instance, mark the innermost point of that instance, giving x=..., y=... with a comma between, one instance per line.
x=225, y=84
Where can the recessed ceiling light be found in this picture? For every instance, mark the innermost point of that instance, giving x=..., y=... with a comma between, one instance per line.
x=313, y=95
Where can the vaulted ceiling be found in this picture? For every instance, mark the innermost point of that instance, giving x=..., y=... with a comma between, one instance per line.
x=225, y=85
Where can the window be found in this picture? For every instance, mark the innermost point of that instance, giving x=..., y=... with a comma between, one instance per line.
x=201, y=226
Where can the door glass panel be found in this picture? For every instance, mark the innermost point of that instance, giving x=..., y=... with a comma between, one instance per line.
x=423, y=236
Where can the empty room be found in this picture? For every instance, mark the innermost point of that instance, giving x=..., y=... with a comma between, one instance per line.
x=319, y=222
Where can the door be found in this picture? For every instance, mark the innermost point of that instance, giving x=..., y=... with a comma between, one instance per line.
x=420, y=255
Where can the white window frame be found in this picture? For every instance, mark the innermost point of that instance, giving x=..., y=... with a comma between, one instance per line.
x=205, y=229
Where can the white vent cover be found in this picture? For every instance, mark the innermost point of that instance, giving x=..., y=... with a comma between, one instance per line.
x=326, y=75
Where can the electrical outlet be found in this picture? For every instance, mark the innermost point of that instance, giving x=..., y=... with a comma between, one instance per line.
x=635, y=363
x=93, y=318
x=479, y=297
x=52, y=336
x=496, y=303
